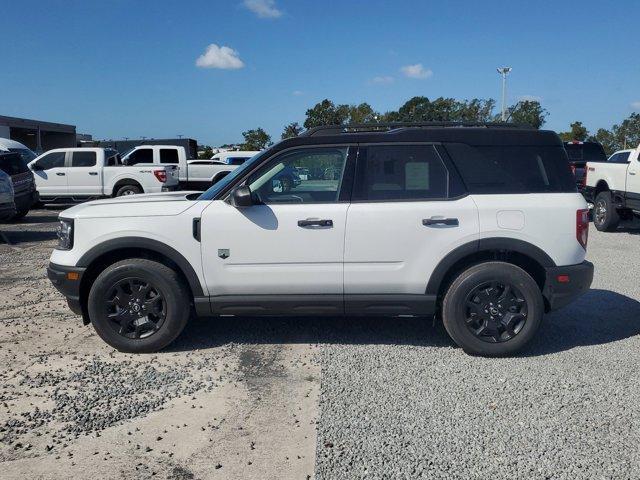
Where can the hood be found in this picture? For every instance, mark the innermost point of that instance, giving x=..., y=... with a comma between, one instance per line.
x=142, y=205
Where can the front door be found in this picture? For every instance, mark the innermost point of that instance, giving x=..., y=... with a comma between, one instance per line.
x=286, y=249
x=407, y=213
x=83, y=175
x=633, y=180
x=50, y=173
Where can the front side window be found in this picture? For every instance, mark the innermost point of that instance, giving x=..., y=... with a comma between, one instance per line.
x=51, y=160
x=280, y=180
x=400, y=173
x=83, y=159
x=142, y=155
x=168, y=155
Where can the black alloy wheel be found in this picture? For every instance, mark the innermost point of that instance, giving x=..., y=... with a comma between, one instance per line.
x=495, y=312
x=135, y=308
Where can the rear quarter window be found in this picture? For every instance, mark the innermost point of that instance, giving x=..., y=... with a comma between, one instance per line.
x=512, y=168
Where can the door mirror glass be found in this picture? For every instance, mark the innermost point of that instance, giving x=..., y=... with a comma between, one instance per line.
x=241, y=197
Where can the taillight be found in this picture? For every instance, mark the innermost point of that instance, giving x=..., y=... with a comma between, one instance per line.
x=161, y=175
x=582, y=227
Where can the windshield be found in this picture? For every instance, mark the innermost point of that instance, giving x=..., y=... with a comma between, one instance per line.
x=237, y=173
x=26, y=154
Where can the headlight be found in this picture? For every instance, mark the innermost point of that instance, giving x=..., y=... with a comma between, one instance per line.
x=65, y=234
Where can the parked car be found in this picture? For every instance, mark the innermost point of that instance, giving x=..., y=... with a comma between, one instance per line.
x=7, y=204
x=481, y=225
x=11, y=146
x=24, y=185
x=234, y=157
x=79, y=174
x=579, y=154
x=614, y=188
x=193, y=174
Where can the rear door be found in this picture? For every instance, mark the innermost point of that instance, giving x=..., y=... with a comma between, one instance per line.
x=50, y=173
x=84, y=175
x=407, y=212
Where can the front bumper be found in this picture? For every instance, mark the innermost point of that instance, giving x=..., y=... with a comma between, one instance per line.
x=7, y=210
x=67, y=281
x=576, y=281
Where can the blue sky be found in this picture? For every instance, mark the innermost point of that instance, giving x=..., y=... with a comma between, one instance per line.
x=127, y=68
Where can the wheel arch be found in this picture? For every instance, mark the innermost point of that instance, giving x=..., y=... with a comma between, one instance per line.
x=601, y=186
x=104, y=254
x=125, y=181
x=525, y=255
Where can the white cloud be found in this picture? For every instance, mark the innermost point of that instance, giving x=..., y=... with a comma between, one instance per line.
x=297, y=93
x=416, y=71
x=263, y=8
x=219, y=57
x=635, y=105
x=382, y=80
x=529, y=98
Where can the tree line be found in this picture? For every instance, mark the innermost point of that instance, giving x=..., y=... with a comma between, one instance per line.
x=422, y=109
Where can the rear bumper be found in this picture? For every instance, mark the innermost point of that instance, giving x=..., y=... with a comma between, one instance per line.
x=171, y=188
x=68, y=285
x=7, y=210
x=557, y=293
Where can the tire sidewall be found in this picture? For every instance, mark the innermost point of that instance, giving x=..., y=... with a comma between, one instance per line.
x=176, y=303
x=611, y=217
x=454, y=313
x=125, y=188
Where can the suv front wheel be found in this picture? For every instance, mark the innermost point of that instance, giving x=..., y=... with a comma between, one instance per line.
x=492, y=309
x=138, y=305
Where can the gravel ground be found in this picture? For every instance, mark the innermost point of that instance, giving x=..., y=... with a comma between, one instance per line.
x=399, y=401
x=348, y=398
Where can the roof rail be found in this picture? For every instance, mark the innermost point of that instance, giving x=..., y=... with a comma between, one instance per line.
x=387, y=127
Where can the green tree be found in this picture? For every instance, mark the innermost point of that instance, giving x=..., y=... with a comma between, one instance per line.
x=627, y=134
x=578, y=132
x=606, y=139
x=256, y=139
x=206, y=152
x=528, y=112
x=421, y=109
x=362, y=113
x=326, y=113
x=291, y=130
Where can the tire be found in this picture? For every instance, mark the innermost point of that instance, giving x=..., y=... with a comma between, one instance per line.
x=605, y=216
x=128, y=190
x=127, y=331
x=521, y=307
x=21, y=213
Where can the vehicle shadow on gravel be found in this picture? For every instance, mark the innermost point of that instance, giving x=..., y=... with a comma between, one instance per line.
x=597, y=318
x=213, y=332
x=16, y=237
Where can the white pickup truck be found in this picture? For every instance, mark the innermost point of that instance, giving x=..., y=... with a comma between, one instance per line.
x=78, y=174
x=614, y=188
x=198, y=174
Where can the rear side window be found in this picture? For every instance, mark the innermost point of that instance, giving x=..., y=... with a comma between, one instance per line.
x=622, y=157
x=512, y=169
x=236, y=160
x=52, y=160
x=83, y=159
x=168, y=155
x=112, y=158
x=142, y=155
x=400, y=172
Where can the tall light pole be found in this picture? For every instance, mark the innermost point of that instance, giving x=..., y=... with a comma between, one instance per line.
x=504, y=71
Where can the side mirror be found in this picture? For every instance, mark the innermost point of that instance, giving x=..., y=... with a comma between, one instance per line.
x=241, y=197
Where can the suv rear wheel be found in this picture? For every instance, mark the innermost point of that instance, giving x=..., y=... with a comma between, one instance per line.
x=492, y=309
x=605, y=215
x=138, y=305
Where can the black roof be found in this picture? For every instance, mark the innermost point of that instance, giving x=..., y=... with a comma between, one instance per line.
x=449, y=132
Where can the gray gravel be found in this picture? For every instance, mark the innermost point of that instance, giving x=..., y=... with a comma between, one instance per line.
x=399, y=401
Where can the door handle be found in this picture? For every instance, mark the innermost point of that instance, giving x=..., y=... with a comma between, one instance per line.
x=315, y=223
x=60, y=174
x=448, y=222
x=632, y=173
x=93, y=173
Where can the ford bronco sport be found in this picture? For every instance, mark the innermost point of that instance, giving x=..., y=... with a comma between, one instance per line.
x=478, y=224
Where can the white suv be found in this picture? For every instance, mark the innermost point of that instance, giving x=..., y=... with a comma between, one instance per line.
x=480, y=225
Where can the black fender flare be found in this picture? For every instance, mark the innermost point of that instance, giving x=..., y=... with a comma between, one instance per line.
x=146, y=244
x=485, y=244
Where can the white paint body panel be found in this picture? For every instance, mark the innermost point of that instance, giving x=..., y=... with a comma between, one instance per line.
x=269, y=252
x=389, y=250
